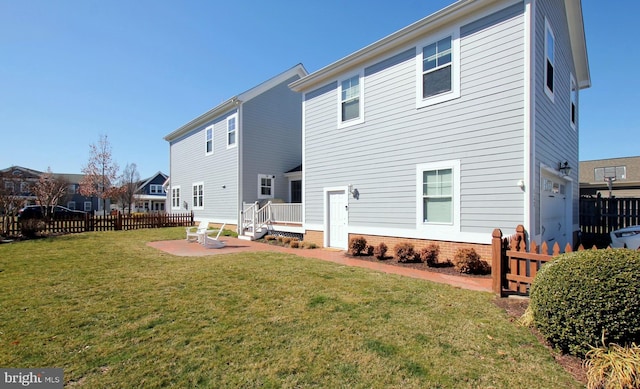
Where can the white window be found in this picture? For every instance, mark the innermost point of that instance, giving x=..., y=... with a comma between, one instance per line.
x=71, y=205
x=8, y=186
x=350, y=105
x=155, y=189
x=175, y=197
x=198, y=195
x=209, y=140
x=266, y=186
x=574, y=104
x=87, y=206
x=72, y=190
x=549, y=62
x=232, y=123
x=438, y=69
x=25, y=187
x=438, y=194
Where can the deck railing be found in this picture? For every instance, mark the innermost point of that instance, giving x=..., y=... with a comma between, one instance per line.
x=286, y=212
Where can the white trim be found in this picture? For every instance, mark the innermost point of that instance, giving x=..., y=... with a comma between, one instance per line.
x=235, y=131
x=89, y=208
x=273, y=186
x=360, y=118
x=547, y=91
x=193, y=195
x=304, y=153
x=438, y=229
x=454, y=93
x=206, y=139
x=529, y=118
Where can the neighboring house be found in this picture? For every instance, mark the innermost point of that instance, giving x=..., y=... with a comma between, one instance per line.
x=237, y=153
x=449, y=128
x=151, y=196
x=19, y=180
x=618, y=177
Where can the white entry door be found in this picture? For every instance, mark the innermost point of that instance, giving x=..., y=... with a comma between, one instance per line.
x=337, y=217
x=553, y=212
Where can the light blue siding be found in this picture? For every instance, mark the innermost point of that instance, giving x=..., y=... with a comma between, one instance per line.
x=484, y=129
x=555, y=139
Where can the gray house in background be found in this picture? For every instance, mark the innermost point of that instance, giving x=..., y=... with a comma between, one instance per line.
x=237, y=154
x=462, y=122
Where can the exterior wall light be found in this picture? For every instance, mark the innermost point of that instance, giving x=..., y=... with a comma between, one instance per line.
x=564, y=168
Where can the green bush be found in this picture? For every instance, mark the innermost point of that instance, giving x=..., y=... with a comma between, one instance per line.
x=583, y=299
x=468, y=261
x=430, y=254
x=357, y=245
x=405, y=252
x=380, y=251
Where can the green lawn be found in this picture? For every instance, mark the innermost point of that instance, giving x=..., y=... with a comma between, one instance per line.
x=113, y=312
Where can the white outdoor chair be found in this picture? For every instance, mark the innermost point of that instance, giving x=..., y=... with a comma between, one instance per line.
x=196, y=234
x=211, y=242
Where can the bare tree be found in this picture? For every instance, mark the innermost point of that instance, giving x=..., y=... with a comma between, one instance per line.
x=49, y=190
x=100, y=173
x=129, y=186
x=11, y=198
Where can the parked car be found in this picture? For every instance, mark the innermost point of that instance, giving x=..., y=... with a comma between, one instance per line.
x=59, y=212
x=628, y=236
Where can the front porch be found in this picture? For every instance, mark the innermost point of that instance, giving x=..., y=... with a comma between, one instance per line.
x=258, y=219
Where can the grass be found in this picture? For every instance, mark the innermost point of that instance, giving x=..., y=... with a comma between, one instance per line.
x=113, y=312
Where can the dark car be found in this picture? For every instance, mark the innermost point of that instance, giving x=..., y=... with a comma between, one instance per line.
x=59, y=212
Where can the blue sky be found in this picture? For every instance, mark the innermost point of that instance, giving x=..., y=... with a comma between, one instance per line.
x=72, y=70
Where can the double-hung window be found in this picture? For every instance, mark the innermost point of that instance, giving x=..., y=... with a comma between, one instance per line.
x=265, y=186
x=175, y=197
x=208, y=140
x=231, y=131
x=438, y=69
x=574, y=103
x=198, y=195
x=438, y=196
x=350, y=101
x=549, y=59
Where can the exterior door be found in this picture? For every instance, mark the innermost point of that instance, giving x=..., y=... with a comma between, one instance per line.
x=337, y=217
x=553, y=212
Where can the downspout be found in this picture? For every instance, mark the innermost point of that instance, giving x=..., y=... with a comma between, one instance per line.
x=239, y=175
x=531, y=188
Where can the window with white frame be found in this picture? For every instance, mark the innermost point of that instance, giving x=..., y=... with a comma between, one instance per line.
x=209, y=140
x=438, y=69
x=155, y=189
x=175, y=197
x=72, y=189
x=574, y=103
x=265, y=186
x=71, y=205
x=232, y=123
x=198, y=195
x=25, y=187
x=350, y=101
x=87, y=206
x=438, y=199
x=8, y=186
x=549, y=62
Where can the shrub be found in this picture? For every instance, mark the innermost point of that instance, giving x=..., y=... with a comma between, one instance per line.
x=430, y=254
x=309, y=245
x=357, y=244
x=280, y=238
x=589, y=297
x=468, y=261
x=380, y=251
x=286, y=240
x=613, y=366
x=294, y=244
x=30, y=227
x=269, y=237
x=404, y=252
x=369, y=250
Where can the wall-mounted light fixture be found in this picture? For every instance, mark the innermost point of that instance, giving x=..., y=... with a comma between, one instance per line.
x=520, y=184
x=564, y=168
x=354, y=192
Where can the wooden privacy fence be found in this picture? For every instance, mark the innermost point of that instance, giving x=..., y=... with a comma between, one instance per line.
x=599, y=216
x=513, y=267
x=12, y=226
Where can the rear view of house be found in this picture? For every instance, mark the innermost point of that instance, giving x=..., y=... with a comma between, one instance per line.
x=237, y=154
x=462, y=122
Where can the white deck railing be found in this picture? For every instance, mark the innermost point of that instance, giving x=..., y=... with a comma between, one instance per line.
x=286, y=212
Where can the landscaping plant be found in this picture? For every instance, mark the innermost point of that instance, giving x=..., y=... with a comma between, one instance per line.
x=588, y=298
x=468, y=261
x=613, y=366
x=357, y=244
x=429, y=254
x=405, y=252
x=380, y=251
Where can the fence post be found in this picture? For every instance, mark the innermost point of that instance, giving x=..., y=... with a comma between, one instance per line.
x=496, y=261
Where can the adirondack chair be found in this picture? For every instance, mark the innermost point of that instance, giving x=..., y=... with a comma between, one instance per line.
x=196, y=234
x=211, y=242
